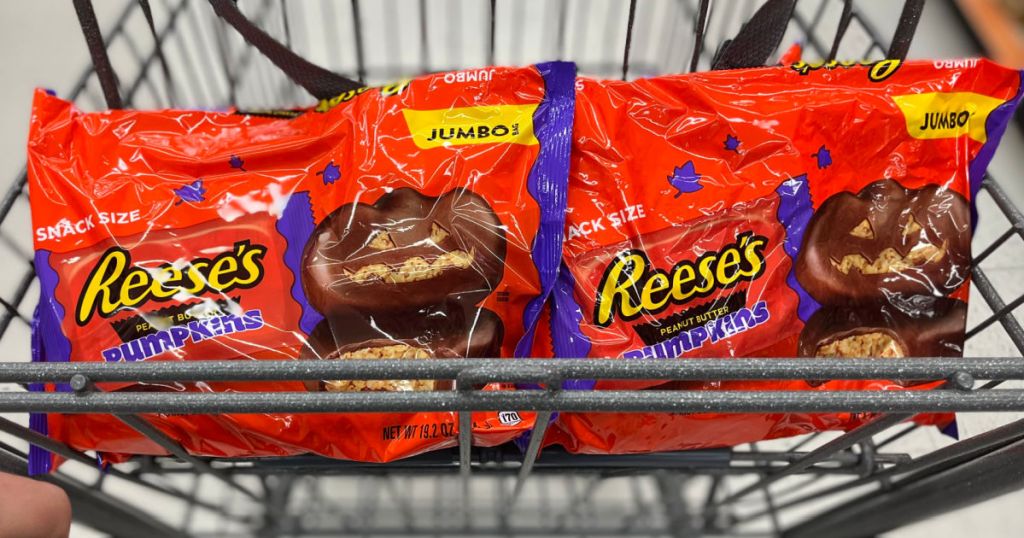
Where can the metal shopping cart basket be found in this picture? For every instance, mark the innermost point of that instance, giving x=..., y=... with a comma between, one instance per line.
x=178, y=53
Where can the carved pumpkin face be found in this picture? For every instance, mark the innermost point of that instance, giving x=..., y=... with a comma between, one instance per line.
x=886, y=240
x=404, y=251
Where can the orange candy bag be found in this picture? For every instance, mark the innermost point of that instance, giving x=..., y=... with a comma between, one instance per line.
x=807, y=210
x=417, y=220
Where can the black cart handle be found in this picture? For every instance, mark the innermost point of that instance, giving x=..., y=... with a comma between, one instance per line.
x=320, y=82
x=98, y=53
x=752, y=46
x=758, y=39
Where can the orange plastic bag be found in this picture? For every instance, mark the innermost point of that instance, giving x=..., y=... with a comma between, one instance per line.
x=804, y=210
x=417, y=220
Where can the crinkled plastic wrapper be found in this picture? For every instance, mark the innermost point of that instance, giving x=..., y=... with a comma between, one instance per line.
x=419, y=220
x=806, y=210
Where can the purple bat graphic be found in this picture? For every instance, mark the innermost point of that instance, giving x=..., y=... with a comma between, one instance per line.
x=824, y=157
x=732, y=143
x=237, y=162
x=330, y=173
x=193, y=192
x=685, y=179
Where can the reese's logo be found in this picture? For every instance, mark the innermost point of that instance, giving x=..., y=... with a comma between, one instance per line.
x=631, y=286
x=877, y=71
x=386, y=91
x=512, y=124
x=114, y=283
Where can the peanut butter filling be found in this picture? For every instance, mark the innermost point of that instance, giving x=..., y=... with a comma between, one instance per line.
x=863, y=230
x=394, y=351
x=912, y=226
x=437, y=233
x=414, y=269
x=862, y=345
x=382, y=241
x=890, y=261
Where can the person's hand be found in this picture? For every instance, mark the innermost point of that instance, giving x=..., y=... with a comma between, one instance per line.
x=33, y=509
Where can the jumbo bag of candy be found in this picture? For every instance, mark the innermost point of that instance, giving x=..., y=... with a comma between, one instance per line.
x=807, y=210
x=417, y=220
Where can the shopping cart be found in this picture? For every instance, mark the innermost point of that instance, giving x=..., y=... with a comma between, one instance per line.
x=837, y=484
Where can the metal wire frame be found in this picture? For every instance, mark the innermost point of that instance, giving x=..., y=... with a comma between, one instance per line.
x=507, y=461
x=235, y=74
x=473, y=372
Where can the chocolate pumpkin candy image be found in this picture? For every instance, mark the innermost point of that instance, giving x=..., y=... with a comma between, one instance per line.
x=433, y=333
x=921, y=327
x=885, y=241
x=404, y=251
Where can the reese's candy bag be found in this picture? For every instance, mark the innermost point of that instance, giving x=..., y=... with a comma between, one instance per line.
x=804, y=210
x=420, y=220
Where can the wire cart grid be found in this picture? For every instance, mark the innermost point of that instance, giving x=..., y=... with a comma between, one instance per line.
x=862, y=482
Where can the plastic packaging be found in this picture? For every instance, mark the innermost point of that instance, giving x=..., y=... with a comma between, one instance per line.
x=417, y=220
x=803, y=210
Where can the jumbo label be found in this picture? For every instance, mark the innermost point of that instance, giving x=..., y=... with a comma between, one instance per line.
x=472, y=125
x=947, y=115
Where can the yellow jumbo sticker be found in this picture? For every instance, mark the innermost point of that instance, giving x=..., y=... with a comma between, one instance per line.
x=947, y=115
x=508, y=124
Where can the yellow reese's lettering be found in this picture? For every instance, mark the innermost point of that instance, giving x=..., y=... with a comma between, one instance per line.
x=630, y=286
x=114, y=283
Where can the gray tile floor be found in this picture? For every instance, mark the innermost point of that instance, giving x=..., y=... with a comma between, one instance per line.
x=42, y=46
